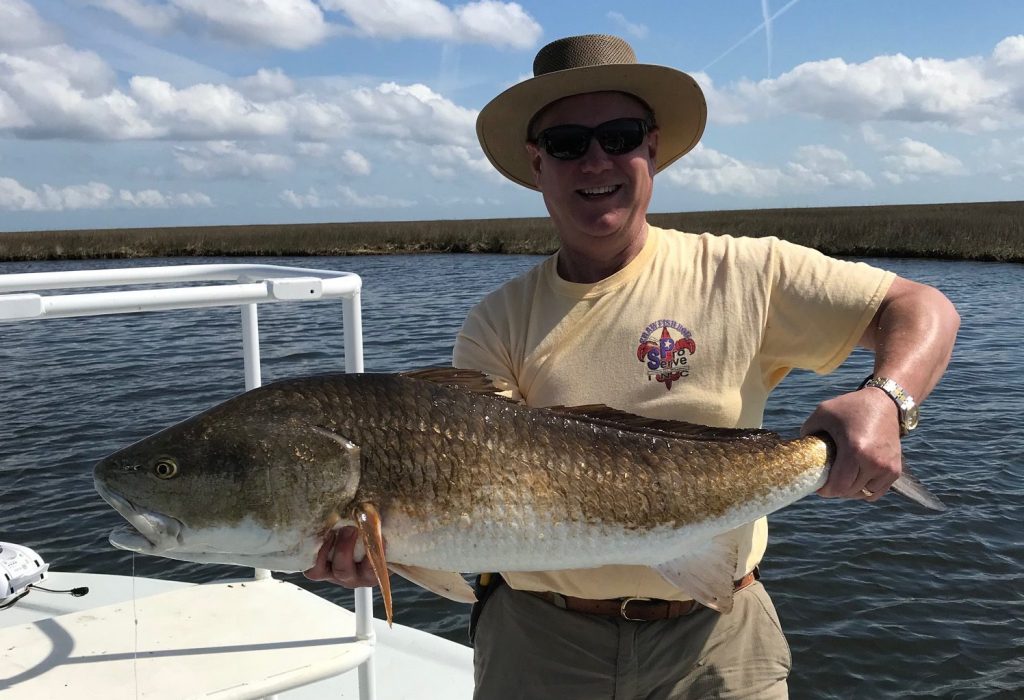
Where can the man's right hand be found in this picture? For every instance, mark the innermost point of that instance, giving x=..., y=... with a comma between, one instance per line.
x=335, y=562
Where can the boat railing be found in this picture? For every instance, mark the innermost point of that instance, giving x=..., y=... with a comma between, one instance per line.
x=28, y=296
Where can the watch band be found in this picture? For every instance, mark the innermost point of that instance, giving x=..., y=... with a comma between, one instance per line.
x=909, y=413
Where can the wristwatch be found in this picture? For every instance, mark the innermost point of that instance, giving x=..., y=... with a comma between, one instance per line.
x=904, y=402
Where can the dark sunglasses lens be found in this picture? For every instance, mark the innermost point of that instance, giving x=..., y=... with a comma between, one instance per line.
x=620, y=136
x=566, y=142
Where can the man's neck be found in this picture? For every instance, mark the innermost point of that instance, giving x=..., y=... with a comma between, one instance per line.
x=582, y=266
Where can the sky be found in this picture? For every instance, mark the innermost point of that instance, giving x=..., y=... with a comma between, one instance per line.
x=139, y=113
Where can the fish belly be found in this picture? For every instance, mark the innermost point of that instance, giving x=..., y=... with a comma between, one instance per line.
x=522, y=539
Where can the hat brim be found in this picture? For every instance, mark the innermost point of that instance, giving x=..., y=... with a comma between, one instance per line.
x=677, y=100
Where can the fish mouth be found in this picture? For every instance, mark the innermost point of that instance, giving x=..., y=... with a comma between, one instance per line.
x=150, y=532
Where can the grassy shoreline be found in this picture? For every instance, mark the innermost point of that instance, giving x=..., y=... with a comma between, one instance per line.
x=991, y=231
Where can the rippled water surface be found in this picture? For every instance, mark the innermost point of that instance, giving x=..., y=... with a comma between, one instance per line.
x=878, y=601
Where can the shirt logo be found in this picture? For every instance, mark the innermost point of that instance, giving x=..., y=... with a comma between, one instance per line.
x=664, y=356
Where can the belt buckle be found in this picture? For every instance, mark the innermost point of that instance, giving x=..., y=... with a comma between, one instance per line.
x=627, y=601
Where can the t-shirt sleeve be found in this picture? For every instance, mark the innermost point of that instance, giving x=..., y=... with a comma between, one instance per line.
x=818, y=308
x=483, y=346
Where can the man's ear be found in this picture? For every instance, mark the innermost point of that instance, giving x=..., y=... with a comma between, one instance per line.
x=652, y=143
x=533, y=153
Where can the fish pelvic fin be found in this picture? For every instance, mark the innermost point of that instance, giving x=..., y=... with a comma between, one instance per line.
x=908, y=486
x=367, y=519
x=447, y=584
x=705, y=573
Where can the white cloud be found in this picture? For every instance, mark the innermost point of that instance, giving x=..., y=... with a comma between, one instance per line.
x=347, y=197
x=285, y=24
x=637, y=31
x=972, y=94
x=1004, y=158
x=412, y=112
x=228, y=159
x=204, y=110
x=93, y=195
x=1009, y=52
x=371, y=201
x=463, y=159
x=483, y=21
x=14, y=196
x=910, y=159
x=813, y=168
x=267, y=85
x=438, y=172
x=313, y=149
x=497, y=23
x=829, y=166
x=712, y=172
x=22, y=27
x=56, y=91
x=355, y=162
x=149, y=17
x=310, y=200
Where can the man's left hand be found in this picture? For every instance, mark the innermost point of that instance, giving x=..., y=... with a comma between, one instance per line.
x=865, y=428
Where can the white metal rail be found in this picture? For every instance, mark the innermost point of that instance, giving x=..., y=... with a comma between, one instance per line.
x=240, y=285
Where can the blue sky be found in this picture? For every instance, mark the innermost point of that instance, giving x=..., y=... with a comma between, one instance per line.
x=189, y=112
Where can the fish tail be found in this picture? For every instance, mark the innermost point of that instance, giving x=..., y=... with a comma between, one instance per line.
x=908, y=486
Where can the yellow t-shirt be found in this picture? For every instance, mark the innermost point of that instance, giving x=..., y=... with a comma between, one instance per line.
x=698, y=328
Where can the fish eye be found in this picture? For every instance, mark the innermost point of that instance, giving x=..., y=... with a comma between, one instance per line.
x=165, y=468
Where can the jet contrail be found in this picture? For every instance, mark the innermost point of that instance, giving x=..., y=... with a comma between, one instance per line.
x=751, y=33
x=767, y=33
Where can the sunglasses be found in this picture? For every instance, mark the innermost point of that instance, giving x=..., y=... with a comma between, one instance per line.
x=571, y=141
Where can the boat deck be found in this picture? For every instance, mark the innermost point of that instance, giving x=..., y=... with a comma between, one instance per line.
x=148, y=638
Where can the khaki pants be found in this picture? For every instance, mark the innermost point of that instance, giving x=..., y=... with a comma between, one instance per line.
x=528, y=648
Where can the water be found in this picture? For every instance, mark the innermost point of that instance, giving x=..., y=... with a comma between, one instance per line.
x=878, y=601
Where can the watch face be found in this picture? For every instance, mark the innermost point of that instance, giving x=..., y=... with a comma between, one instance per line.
x=911, y=419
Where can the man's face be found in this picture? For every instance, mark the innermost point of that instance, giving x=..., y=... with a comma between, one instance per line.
x=597, y=199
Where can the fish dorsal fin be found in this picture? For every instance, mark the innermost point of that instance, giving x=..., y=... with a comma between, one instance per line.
x=468, y=379
x=599, y=414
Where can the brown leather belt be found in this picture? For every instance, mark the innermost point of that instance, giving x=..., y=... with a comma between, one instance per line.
x=636, y=608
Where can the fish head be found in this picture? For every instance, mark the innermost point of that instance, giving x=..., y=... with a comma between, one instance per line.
x=255, y=481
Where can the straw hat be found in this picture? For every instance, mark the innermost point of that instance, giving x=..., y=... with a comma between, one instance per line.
x=590, y=63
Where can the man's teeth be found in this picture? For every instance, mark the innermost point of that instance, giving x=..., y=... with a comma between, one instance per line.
x=599, y=190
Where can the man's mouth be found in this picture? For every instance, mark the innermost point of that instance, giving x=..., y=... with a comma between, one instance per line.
x=599, y=192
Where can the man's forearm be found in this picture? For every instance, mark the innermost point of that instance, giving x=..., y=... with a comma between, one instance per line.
x=912, y=336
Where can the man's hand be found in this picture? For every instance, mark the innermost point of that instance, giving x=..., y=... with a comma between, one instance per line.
x=335, y=562
x=865, y=428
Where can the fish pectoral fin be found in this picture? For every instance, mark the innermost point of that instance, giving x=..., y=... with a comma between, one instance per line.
x=705, y=573
x=447, y=584
x=367, y=519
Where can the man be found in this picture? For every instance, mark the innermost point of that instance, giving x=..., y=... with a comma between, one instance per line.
x=671, y=326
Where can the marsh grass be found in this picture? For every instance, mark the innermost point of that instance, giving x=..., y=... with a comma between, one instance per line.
x=977, y=231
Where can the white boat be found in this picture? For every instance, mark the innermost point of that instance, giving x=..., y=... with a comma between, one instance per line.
x=133, y=637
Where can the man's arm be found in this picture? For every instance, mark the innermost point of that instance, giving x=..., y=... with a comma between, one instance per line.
x=912, y=336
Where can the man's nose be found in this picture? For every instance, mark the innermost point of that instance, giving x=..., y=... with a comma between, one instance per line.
x=595, y=160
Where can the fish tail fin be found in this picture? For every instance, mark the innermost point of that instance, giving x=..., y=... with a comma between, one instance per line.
x=909, y=487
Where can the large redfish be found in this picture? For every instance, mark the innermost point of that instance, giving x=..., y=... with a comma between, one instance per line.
x=454, y=478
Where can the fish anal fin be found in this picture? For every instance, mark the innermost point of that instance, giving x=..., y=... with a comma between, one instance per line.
x=447, y=584
x=367, y=519
x=705, y=573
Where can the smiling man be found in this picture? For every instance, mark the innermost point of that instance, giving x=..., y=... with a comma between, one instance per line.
x=677, y=326
x=668, y=325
